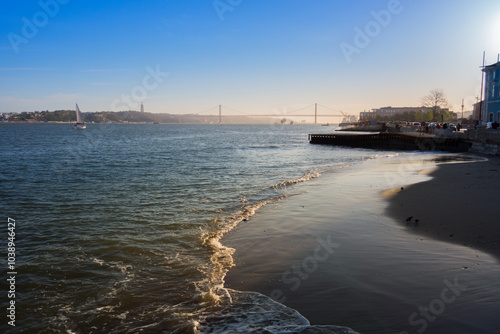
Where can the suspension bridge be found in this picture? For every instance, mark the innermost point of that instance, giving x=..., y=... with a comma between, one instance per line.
x=309, y=111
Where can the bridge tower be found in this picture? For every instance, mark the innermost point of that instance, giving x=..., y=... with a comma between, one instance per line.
x=315, y=113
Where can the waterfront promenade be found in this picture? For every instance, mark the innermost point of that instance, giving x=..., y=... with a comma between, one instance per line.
x=483, y=141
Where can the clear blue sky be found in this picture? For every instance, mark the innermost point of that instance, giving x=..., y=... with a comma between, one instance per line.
x=256, y=56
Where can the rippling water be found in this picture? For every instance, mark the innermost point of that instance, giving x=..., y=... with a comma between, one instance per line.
x=118, y=226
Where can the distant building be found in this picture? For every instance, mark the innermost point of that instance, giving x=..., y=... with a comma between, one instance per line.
x=476, y=112
x=389, y=111
x=491, y=107
x=142, y=107
x=5, y=116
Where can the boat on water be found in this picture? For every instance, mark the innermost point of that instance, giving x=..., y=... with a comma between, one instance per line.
x=79, y=121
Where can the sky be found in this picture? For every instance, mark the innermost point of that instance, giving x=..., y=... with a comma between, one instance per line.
x=251, y=56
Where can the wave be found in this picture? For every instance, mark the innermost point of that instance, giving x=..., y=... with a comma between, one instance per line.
x=252, y=312
x=221, y=259
x=306, y=177
x=216, y=309
x=264, y=146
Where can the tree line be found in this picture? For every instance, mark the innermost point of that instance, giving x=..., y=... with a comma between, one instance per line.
x=130, y=116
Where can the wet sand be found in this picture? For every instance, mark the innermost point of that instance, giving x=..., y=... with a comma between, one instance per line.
x=341, y=253
x=461, y=204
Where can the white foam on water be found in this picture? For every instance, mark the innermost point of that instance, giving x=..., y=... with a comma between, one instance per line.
x=230, y=311
x=224, y=310
x=306, y=177
x=251, y=312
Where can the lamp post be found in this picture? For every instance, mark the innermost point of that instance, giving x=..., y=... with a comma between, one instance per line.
x=462, y=110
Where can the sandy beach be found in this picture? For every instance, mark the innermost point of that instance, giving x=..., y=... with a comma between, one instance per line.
x=342, y=253
x=459, y=205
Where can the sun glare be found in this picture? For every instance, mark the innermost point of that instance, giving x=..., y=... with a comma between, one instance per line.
x=494, y=37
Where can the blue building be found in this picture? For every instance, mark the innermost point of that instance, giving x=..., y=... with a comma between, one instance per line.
x=491, y=107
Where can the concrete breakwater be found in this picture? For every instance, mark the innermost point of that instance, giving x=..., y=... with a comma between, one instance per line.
x=393, y=141
x=483, y=141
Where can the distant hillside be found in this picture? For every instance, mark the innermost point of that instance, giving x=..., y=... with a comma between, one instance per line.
x=42, y=116
x=131, y=117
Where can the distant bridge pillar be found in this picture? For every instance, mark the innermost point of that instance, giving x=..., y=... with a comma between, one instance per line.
x=220, y=114
x=315, y=113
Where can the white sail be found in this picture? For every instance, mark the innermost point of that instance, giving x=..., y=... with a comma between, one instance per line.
x=78, y=115
x=79, y=121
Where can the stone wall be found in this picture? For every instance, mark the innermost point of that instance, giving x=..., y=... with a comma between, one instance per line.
x=484, y=141
x=485, y=148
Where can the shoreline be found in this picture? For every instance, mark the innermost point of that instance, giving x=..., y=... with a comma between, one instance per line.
x=335, y=254
x=458, y=205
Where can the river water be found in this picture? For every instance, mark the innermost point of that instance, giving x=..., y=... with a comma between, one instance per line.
x=118, y=226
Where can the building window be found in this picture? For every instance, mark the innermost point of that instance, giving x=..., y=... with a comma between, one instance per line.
x=493, y=90
x=491, y=117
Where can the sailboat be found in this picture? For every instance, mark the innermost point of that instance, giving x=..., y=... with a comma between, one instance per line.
x=79, y=121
